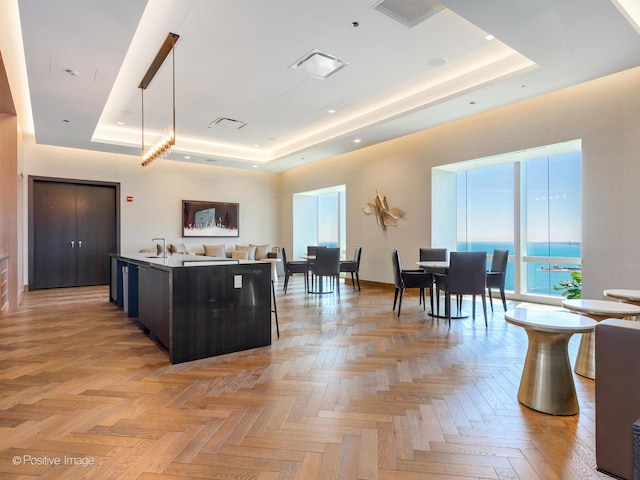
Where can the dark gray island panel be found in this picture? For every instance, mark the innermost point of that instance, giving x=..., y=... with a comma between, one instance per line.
x=199, y=308
x=224, y=316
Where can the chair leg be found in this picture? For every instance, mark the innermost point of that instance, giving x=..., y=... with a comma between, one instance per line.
x=504, y=300
x=473, y=306
x=286, y=282
x=484, y=308
x=353, y=282
x=447, y=300
x=400, y=302
x=490, y=297
x=431, y=298
x=395, y=300
x=358, y=279
x=275, y=307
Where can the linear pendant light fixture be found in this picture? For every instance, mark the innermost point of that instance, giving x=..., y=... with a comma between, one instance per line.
x=163, y=147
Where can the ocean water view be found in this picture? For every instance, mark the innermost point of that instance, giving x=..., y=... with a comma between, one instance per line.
x=542, y=276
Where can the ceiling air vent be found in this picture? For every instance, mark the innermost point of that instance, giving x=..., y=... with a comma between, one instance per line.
x=229, y=123
x=408, y=12
x=318, y=64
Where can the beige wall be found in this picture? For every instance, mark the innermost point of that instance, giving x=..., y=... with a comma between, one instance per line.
x=158, y=192
x=604, y=113
x=9, y=226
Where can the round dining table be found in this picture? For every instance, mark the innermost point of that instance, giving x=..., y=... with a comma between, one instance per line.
x=547, y=384
x=623, y=295
x=598, y=310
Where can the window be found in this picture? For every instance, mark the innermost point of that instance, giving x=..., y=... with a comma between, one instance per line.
x=528, y=202
x=319, y=218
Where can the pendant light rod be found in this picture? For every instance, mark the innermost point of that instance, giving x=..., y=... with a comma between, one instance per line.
x=162, y=54
x=165, y=144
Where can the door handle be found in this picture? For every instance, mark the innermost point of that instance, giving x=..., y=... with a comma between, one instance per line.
x=72, y=243
x=79, y=243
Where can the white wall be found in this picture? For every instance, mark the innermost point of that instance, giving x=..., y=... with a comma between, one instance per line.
x=604, y=113
x=158, y=192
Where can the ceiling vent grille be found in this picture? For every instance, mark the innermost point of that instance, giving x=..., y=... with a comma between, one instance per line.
x=408, y=12
x=318, y=64
x=228, y=123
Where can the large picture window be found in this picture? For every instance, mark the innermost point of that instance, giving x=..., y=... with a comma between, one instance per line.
x=319, y=218
x=527, y=202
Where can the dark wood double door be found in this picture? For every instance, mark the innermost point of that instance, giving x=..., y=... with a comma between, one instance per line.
x=73, y=231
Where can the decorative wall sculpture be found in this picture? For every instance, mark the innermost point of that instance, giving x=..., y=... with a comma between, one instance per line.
x=385, y=216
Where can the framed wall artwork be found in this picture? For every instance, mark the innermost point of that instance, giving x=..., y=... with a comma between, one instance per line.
x=210, y=219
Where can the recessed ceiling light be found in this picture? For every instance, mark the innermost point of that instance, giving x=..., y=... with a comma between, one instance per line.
x=355, y=24
x=212, y=160
x=331, y=111
x=318, y=64
x=73, y=73
x=66, y=121
x=254, y=166
x=187, y=157
x=489, y=37
x=256, y=145
x=357, y=140
x=120, y=123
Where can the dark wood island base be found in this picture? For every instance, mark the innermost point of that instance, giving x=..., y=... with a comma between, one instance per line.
x=195, y=306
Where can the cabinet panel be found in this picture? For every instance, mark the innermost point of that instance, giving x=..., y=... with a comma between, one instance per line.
x=159, y=305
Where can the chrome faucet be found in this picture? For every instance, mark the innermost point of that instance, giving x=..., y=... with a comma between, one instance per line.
x=164, y=246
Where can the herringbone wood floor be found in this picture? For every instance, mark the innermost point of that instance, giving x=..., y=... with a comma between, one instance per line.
x=349, y=391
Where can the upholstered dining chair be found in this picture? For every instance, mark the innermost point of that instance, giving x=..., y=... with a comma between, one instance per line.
x=327, y=266
x=294, y=267
x=312, y=251
x=353, y=267
x=433, y=255
x=467, y=275
x=496, y=275
x=409, y=279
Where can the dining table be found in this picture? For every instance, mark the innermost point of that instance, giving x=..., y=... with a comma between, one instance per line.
x=598, y=310
x=623, y=295
x=547, y=384
x=433, y=265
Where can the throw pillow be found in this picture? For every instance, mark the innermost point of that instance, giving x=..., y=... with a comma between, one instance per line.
x=261, y=251
x=240, y=254
x=180, y=248
x=215, y=250
x=250, y=249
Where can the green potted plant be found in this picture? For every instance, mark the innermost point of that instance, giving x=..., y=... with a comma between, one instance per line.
x=573, y=287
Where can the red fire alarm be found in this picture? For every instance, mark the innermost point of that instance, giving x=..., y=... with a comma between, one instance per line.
x=129, y=198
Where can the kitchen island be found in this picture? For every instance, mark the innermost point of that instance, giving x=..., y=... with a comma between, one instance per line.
x=195, y=306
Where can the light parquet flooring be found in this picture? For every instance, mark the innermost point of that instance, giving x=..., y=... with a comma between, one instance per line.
x=348, y=391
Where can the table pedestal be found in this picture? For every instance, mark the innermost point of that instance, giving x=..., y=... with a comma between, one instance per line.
x=585, y=360
x=597, y=310
x=547, y=382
